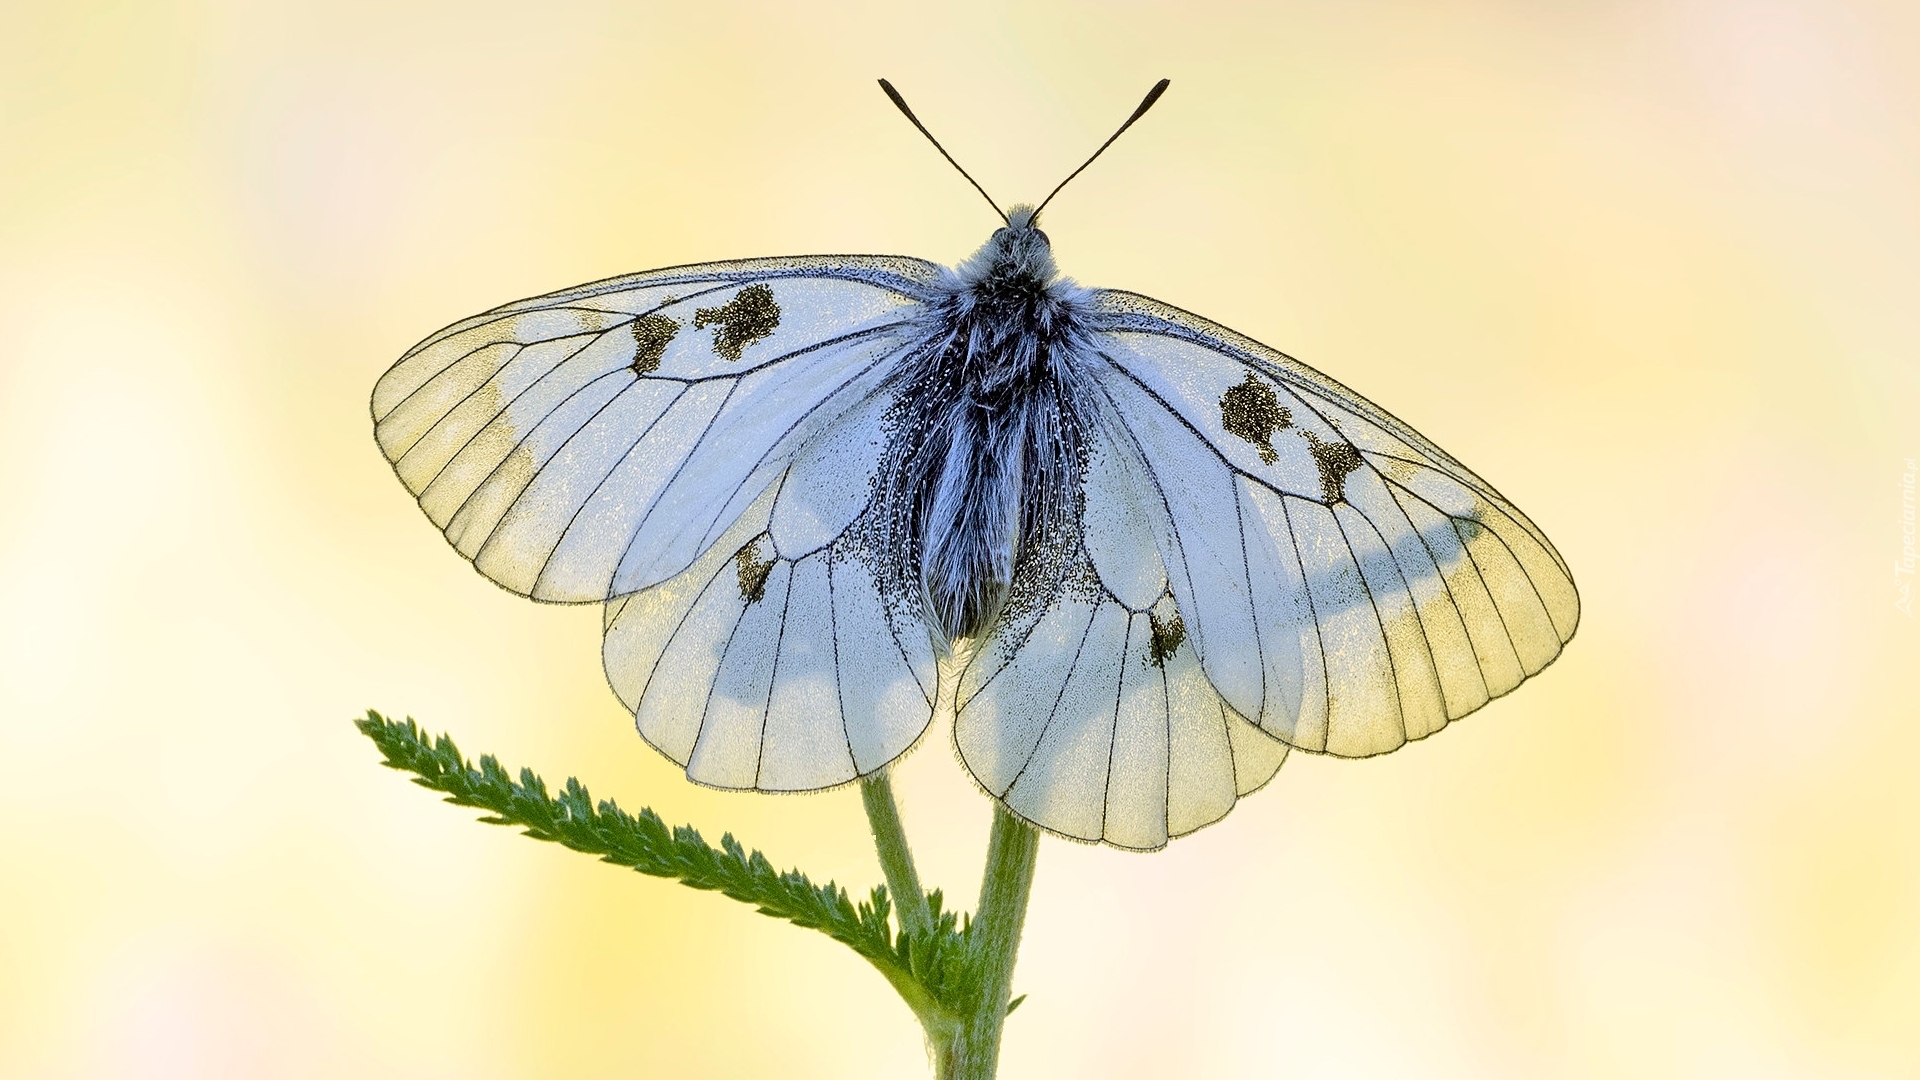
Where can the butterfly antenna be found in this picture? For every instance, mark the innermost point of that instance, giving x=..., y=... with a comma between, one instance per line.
x=901, y=103
x=1153, y=95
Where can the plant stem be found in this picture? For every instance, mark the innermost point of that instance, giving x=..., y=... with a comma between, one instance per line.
x=896, y=859
x=966, y=1047
x=974, y=1050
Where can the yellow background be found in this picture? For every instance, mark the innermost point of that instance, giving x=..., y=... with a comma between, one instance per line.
x=1649, y=267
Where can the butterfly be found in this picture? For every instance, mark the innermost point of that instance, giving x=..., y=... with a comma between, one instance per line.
x=1159, y=553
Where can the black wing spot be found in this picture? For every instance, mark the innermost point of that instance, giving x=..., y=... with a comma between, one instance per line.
x=1165, y=637
x=1335, y=460
x=1252, y=411
x=651, y=336
x=753, y=571
x=745, y=319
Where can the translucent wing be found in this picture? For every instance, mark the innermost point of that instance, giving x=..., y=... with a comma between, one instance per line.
x=1090, y=714
x=1346, y=583
x=594, y=442
x=773, y=662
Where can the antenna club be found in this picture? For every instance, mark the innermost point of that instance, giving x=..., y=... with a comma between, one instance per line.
x=1146, y=103
x=901, y=103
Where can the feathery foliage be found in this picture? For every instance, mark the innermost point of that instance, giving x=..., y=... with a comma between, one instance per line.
x=935, y=972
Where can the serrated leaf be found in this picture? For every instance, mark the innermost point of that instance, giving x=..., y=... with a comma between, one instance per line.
x=930, y=970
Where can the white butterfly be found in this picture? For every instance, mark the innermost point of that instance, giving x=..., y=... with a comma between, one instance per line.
x=796, y=483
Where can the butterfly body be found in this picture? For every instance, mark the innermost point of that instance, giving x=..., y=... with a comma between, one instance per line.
x=987, y=450
x=795, y=484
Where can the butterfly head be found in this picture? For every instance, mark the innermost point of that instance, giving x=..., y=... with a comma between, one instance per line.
x=1024, y=219
x=1018, y=251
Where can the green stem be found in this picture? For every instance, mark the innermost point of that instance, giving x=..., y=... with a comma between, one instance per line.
x=973, y=1053
x=896, y=859
x=909, y=903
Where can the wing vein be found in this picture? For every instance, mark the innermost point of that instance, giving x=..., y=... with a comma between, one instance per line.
x=1406, y=583
x=1485, y=586
x=1379, y=621
x=1199, y=435
x=581, y=508
x=479, y=551
x=773, y=676
x=524, y=439
x=544, y=376
x=1055, y=709
x=839, y=672
x=713, y=679
x=1313, y=610
x=1113, y=732
x=774, y=444
x=1253, y=609
x=1495, y=499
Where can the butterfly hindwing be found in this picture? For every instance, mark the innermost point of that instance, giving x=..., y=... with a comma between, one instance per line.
x=1091, y=715
x=1346, y=583
x=593, y=442
x=769, y=668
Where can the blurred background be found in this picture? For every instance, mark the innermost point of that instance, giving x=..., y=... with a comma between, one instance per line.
x=1650, y=267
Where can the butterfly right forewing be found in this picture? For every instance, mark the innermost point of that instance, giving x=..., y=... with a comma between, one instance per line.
x=591, y=442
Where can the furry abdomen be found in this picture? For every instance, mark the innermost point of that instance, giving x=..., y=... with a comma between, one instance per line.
x=1005, y=496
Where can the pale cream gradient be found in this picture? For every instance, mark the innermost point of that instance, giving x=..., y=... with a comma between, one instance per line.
x=1651, y=268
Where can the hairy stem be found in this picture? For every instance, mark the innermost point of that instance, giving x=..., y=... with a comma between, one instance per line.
x=896, y=858
x=974, y=1051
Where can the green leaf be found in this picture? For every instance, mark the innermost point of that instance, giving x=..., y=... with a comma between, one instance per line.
x=933, y=971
